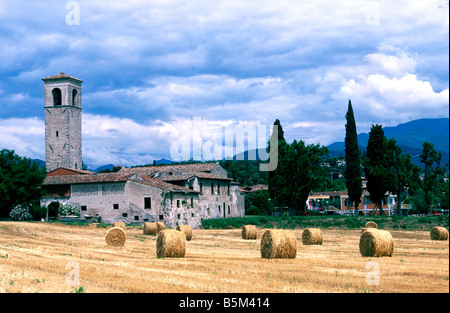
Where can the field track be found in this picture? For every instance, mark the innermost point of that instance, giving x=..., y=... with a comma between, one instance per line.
x=52, y=257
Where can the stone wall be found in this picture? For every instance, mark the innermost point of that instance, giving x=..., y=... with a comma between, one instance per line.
x=63, y=126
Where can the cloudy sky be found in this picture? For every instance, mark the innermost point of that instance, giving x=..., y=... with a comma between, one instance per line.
x=156, y=71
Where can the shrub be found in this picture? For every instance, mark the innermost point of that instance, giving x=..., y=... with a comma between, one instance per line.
x=21, y=213
x=252, y=211
x=39, y=212
x=263, y=220
x=67, y=209
x=53, y=209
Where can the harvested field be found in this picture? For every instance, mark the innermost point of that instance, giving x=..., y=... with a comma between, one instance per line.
x=48, y=257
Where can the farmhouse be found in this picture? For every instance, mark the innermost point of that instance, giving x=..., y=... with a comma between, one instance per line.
x=177, y=194
x=173, y=194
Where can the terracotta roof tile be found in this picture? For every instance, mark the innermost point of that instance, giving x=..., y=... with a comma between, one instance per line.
x=85, y=179
x=70, y=170
x=210, y=176
x=163, y=185
x=187, y=168
x=114, y=177
x=174, y=177
x=60, y=76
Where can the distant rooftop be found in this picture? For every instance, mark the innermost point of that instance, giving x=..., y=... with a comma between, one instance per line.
x=61, y=76
x=187, y=168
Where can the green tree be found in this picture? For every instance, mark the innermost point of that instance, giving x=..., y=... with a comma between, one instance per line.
x=20, y=181
x=405, y=173
x=277, y=179
x=444, y=196
x=301, y=172
x=433, y=172
x=377, y=166
x=353, y=179
x=245, y=172
x=258, y=202
x=297, y=173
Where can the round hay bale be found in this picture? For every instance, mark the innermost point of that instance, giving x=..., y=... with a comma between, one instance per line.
x=439, y=233
x=150, y=228
x=371, y=224
x=120, y=224
x=376, y=243
x=116, y=237
x=160, y=226
x=312, y=236
x=278, y=243
x=249, y=232
x=170, y=243
x=187, y=230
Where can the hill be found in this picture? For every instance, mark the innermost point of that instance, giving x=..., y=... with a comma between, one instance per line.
x=409, y=136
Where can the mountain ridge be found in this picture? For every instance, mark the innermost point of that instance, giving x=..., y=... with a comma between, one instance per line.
x=410, y=136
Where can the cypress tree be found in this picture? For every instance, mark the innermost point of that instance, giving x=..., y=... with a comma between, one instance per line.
x=353, y=179
x=377, y=166
x=277, y=178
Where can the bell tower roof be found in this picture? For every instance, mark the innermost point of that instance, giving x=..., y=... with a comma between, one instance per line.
x=61, y=76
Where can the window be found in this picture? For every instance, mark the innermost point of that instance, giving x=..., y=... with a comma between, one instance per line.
x=219, y=208
x=212, y=188
x=218, y=188
x=136, y=217
x=115, y=206
x=179, y=216
x=83, y=208
x=201, y=187
x=229, y=212
x=207, y=210
x=192, y=215
x=192, y=202
x=228, y=189
x=74, y=97
x=147, y=203
x=56, y=96
x=161, y=217
x=178, y=203
x=124, y=214
x=57, y=134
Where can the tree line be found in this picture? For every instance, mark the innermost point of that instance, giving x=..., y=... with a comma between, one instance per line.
x=20, y=183
x=383, y=164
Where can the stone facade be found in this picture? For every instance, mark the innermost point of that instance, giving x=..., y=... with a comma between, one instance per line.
x=62, y=106
x=134, y=196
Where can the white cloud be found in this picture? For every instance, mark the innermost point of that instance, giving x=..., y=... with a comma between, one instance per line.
x=402, y=99
x=124, y=142
x=23, y=135
x=390, y=65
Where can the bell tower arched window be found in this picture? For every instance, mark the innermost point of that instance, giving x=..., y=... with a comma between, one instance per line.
x=56, y=96
x=74, y=97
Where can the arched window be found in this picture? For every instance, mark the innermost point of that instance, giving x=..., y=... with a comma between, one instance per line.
x=56, y=96
x=74, y=97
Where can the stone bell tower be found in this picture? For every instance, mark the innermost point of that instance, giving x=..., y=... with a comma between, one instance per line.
x=62, y=105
